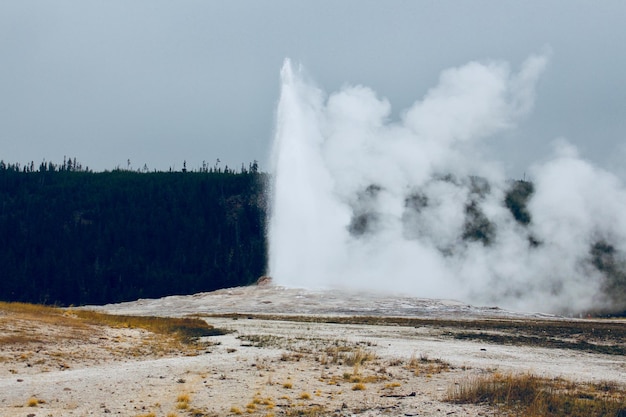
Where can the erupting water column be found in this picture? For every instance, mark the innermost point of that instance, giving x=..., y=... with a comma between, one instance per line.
x=303, y=220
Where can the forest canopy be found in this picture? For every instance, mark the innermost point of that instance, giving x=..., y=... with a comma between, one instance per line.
x=72, y=236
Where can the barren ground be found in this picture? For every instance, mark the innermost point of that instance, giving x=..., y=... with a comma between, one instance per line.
x=293, y=352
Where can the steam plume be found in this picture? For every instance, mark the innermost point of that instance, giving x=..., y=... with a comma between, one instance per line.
x=410, y=206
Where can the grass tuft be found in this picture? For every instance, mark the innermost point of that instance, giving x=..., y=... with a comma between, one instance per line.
x=358, y=357
x=183, y=398
x=182, y=401
x=425, y=366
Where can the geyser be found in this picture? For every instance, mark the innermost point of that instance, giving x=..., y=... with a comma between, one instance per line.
x=410, y=206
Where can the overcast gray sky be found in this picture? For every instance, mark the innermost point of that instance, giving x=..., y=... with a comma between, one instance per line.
x=160, y=82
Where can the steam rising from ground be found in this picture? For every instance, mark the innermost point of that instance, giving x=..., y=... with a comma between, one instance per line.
x=410, y=206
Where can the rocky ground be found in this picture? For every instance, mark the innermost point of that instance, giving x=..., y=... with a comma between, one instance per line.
x=293, y=352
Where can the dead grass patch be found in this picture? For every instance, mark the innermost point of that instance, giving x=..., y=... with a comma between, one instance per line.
x=311, y=411
x=533, y=396
x=34, y=402
x=18, y=339
x=426, y=366
x=46, y=337
x=40, y=314
x=185, y=329
x=358, y=357
x=392, y=385
x=263, y=341
x=182, y=401
x=26, y=308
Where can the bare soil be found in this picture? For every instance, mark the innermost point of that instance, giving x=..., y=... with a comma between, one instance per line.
x=293, y=352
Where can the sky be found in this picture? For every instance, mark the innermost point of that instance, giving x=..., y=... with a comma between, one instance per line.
x=159, y=82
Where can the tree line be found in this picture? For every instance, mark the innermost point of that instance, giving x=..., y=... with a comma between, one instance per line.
x=72, y=236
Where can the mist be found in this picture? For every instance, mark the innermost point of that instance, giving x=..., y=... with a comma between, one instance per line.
x=410, y=205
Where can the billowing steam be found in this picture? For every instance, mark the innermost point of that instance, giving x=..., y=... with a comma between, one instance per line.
x=410, y=206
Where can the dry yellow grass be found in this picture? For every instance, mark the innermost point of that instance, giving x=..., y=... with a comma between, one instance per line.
x=19, y=339
x=39, y=313
x=425, y=366
x=313, y=411
x=22, y=320
x=36, y=309
x=358, y=357
x=540, y=397
x=183, y=398
x=182, y=401
x=36, y=338
x=184, y=329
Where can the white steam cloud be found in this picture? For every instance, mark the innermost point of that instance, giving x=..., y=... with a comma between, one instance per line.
x=411, y=207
